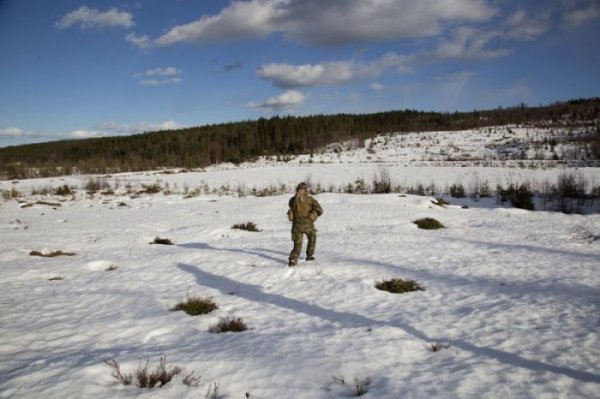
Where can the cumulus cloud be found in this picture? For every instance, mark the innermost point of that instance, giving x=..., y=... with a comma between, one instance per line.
x=330, y=73
x=328, y=22
x=87, y=17
x=241, y=20
x=575, y=17
x=159, y=77
x=283, y=102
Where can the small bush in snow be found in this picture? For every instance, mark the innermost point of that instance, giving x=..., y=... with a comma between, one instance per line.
x=519, y=197
x=144, y=378
x=428, y=224
x=229, y=325
x=64, y=190
x=162, y=375
x=457, y=191
x=190, y=380
x=245, y=226
x=163, y=241
x=151, y=188
x=92, y=186
x=399, y=286
x=195, y=306
x=122, y=377
x=11, y=194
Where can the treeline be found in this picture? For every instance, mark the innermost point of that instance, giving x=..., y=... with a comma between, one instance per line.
x=244, y=141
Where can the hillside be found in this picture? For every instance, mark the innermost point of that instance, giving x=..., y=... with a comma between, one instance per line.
x=245, y=141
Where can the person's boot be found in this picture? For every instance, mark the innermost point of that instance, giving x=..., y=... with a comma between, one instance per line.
x=310, y=258
x=292, y=262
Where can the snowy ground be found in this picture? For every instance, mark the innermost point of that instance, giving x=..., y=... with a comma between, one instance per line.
x=511, y=299
x=514, y=295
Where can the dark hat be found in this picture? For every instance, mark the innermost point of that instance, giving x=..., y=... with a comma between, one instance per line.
x=301, y=185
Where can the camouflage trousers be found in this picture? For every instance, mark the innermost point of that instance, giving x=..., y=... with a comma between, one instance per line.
x=297, y=237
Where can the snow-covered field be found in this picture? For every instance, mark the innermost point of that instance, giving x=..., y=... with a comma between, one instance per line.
x=511, y=297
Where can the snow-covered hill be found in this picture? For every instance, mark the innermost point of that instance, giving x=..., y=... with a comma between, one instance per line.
x=510, y=302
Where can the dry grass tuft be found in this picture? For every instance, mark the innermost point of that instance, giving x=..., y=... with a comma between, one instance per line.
x=399, y=286
x=229, y=325
x=51, y=254
x=196, y=306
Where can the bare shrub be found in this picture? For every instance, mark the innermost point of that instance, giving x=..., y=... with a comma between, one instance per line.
x=144, y=378
x=196, y=306
x=150, y=188
x=428, y=224
x=234, y=324
x=123, y=378
x=191, y=381
x=399, y=286
x=519, y=196
x=382, y=184
x=162, y=375
x=162, y=241
x=250, y=226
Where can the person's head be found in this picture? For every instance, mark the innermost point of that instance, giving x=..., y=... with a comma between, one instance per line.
x=302, y=186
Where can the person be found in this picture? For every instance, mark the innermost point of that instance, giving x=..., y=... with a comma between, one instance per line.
x=304, y=211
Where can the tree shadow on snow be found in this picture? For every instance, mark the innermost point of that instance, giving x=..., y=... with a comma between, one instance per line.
x=260, y=252
x=350, y=320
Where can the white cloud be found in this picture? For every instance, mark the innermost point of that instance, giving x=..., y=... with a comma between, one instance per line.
x=283, y=102
x=84, y=134
x=330, y=73
x=328, y=22
x=241, y=20
x=377, y=86
x=11, y=132
x=468, y=44
x=114, y=128
x=160, y=82
x=520, y=26
x=87, y=17
x=142, y=41
x=574, y=18
x=159, y=77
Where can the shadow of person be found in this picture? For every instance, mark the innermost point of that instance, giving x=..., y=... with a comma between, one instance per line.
x=260, y=252
x=351, y=320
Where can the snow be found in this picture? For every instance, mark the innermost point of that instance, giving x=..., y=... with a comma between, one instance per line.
x=511, y=296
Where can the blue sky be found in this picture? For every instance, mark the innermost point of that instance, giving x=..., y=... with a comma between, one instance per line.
x=78, y=69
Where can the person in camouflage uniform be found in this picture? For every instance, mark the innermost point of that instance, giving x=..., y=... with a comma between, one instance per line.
x=304, y=211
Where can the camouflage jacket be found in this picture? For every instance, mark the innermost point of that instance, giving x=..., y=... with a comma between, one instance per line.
x=304, y=223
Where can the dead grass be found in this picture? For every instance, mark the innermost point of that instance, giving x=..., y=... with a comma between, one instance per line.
x=145, y=378
x=234, y=324
x=245, y=226
x=195, y=306
x=428, y=224
x=52, y=254
x=163, y=241
x=399, y=286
